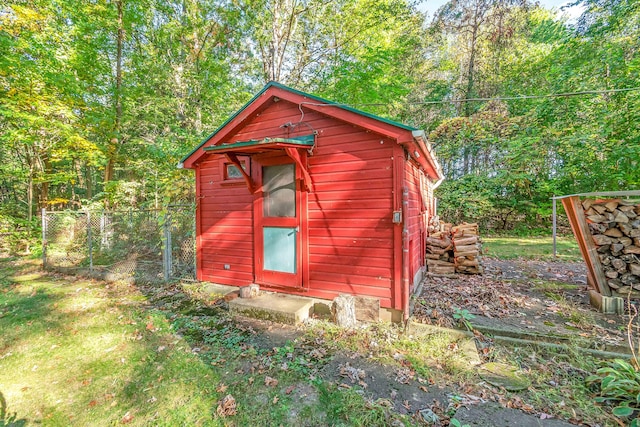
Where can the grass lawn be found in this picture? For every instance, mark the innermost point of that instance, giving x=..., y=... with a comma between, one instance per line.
x=79, y=352
x=540, y=248
x=86, y=353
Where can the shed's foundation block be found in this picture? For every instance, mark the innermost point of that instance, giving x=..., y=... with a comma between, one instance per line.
x=607, y=305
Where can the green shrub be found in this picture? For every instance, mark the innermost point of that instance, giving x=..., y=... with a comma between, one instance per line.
x=17, y=235
x=619, y=384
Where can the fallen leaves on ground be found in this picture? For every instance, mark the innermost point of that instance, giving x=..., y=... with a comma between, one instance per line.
x=353, y=373
x=483, y=294
x=510, y=293
x=404, y=375
x=127, y=418
x=227, y=406
x=270, y=382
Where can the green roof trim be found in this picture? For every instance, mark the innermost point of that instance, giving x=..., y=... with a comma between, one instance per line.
x=305, y=141
x=312, y=97
x=343, y=106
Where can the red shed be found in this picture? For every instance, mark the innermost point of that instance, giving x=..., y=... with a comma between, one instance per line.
x=308, y=197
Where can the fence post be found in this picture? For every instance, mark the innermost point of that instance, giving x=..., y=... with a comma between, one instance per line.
x=166, y=253
x=44, y=238
x=555, y=247
x=89, y=241
x=103, y=236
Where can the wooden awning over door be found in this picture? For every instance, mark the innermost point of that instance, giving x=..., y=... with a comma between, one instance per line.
x=291, y=146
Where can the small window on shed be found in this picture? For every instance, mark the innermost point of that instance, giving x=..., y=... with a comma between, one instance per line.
x=231, y=171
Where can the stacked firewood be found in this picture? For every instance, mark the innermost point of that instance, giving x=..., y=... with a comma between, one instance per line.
x=615, y=228
x=454, y=249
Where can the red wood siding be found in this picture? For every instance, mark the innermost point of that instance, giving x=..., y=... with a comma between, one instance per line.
x=417, y=218
x=226, y=224
x=350, y=213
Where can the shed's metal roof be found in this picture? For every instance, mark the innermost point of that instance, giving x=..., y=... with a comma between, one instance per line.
x=305, y=141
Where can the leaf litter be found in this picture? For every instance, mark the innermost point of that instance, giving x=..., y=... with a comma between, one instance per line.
x=534, y=296
x=490, y=295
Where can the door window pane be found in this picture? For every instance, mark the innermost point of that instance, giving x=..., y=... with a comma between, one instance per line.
x=280, y=249
x=279, y=191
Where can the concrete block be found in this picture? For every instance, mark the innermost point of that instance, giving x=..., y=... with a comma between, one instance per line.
x=390, y=315
x=251, y=291
x=604, y=304
x=280, y=308
x=322, y=308
x=367, y=309
x=218, y=289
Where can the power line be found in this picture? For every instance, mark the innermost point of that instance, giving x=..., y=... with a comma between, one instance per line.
x=499, y=98
x=552, y=95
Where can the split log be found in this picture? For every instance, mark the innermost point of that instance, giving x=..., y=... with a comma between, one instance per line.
x=616, y=247
x=614, y=283
x=444, y=243
x=467, y=254
x=630, y=279
x=467, y=248
x=618, y=264
x=469, y=263
x=439, y=263
x=251, y=291
x=455, y=251
x=596, y=218
x=465, y=228
x=632, y=250
x=434, y=250
x=442, y=270
x=613, y=232
x=625, y=241
x=466, y=240
x=611, y=205
x=599, y=209
x=601, y=239
x=619, y=216
x=612, y=274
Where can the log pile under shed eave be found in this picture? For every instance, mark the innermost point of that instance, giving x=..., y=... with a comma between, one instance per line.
x=454, y=250
x=615, y=229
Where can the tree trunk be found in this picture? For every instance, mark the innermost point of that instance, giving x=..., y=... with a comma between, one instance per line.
x=44, y=188
x=30, y=194
x=112, y=148
x=471, y=68
x=89, y=182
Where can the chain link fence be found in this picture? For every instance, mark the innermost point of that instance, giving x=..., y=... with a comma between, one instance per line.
x=150, y=245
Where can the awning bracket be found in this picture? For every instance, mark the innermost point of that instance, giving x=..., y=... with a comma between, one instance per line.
x=294, y=154
x=233, y=159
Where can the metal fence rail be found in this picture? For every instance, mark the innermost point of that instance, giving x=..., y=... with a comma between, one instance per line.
x=152, y=245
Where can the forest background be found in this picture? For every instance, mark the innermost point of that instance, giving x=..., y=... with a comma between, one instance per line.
x=100, y=99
